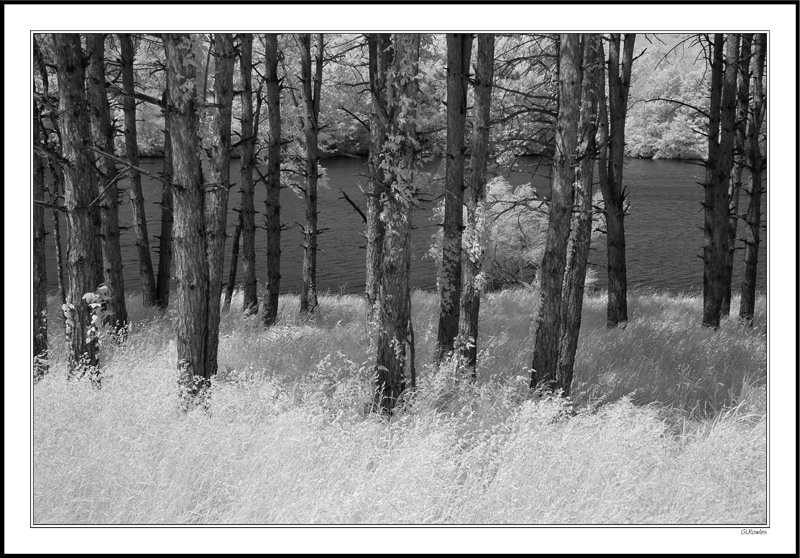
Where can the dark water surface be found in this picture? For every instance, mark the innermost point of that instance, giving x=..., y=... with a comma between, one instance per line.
x=663, y=231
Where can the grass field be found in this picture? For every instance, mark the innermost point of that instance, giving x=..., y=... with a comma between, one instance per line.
x=667, y=425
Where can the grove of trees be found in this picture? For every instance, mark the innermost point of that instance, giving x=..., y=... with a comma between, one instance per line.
x=279, y=102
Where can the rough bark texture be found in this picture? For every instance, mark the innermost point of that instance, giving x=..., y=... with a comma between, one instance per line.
x=97, y=245
x=149, y=295
x=103, y=137
x=55, y=191
x=231, y=285
x=475, y=199
x=80, y=189
x=55, y=195
x=739, y=163
x=395, y=337
x=709, y=191
x=547, y=325
x=165, y=238
x=39, y=263
x=191, y=272
x=272, y=215
x=380, y=58
x=755, y=161
x=718, y=171
x=248, y=224
x=619, y=80
x=310, y=88
x=459, y=48
x=216, y=191
x=581, y=228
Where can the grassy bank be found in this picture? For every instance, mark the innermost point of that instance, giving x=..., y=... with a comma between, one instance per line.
x=667, y=425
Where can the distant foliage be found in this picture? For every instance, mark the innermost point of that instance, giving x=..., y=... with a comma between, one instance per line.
x=523, y=106
x=672, y=67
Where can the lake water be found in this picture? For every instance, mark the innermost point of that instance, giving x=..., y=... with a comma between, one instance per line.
x=663, y=231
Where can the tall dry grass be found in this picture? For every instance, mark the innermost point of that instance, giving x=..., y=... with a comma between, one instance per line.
x=667, y=425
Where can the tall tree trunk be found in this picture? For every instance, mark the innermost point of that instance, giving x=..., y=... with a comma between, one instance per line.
x=80, y=189
x=165, y=238
x=55, y=167
x=619, y=81
x=547, y=325
x=475, y=200
x=395, y=337
x=459, y=50
x=311, y=88
x=149, y=294
x=96, y=253
x=380, y=58
x=39, y=262
x=739, y=162
x=237, y=233
x=718, y=170
x=272, y=215
x=581, y=228
x=248, y=223
x=55, y=197
x=755, y=161
x=103, y=137
x=191, y=270
x=216, y=192
x=97, y=245
x=710, y=193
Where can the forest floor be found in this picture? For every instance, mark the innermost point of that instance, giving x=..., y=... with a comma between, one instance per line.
x=667, y=425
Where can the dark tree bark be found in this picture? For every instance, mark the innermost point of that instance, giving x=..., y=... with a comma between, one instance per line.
x=80, y=189
x=165, y=238
x=103, y=137
x=395, y=336
x=756, y=163
x=248, y=224
x=459, y=49
x=547, y=325
x=739, y=163
x=97, y=246
x=216, y=192
x=272, y=215
x=475, y=200
x=39, y=264
x=55, y=195
x=718, y=170
x=581, y=228
x=310, y=87
x=231, y=285
x=191, y=270
x=97, y=243
x=56, y=191
x=149, y=294
x=614, y=194
x=380, y=59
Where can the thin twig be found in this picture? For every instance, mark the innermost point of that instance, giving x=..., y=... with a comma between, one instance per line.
x=687, y=105
x=107, y=186
x=365, y=124
x=50, y=205
x=352, y=203
x=139, y=169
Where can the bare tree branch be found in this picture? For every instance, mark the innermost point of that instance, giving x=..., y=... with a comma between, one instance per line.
x=352, y=203
x=365, y=124
x=687, y=105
